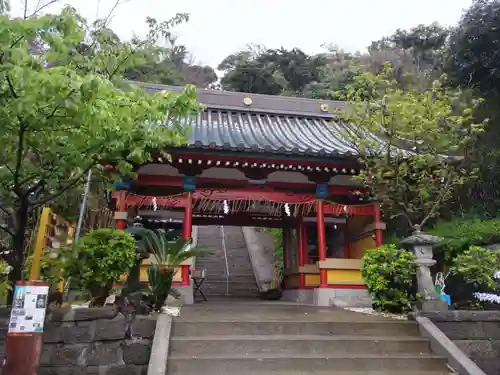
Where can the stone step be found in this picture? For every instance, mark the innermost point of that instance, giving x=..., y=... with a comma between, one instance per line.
x=328, y=372
x=295, y=345
x=232, y=292
x=259, y=363
x=232, y=279
x=234, y=285
x=194, y=327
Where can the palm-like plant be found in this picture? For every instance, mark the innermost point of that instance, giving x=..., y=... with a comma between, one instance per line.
x=168, y=256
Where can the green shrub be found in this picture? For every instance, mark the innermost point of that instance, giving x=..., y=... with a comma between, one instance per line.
x=473, y=272
x=389, y=274
x=460, y=233
x=103, y=256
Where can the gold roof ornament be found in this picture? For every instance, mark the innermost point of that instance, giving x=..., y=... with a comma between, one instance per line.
x=324, y=107
x=247, y=101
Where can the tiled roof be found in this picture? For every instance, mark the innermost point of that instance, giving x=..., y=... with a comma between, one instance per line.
x=237, y=121
x=263, y=132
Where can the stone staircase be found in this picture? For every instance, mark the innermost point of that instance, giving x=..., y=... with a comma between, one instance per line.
x=264, y=338
x=241, y=276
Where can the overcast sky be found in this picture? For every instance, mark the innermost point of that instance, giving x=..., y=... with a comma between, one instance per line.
x=219, y=27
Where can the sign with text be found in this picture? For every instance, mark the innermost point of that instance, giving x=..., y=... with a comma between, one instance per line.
x=28, y=307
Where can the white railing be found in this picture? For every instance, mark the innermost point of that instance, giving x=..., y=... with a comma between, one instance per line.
x=225, y=257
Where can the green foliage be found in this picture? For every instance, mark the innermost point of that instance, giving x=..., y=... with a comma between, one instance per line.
x=5, y=284
x=103, y=256
x=55, y=265
x=474, y=53
x=278, y=243
x=168, y=256
x=389, y=274
x=410, y=142
x=270, y=71
x=460, y=233
x=168, y=63
x=65, y=108
x=474, y=272
x=168, y=252
x=160, y=286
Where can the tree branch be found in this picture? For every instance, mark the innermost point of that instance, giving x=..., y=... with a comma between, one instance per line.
x=438, y=200
x=64, y=189
x=37, y=8
x=6, y=230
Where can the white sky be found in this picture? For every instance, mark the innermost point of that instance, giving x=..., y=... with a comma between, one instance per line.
x=219, y=27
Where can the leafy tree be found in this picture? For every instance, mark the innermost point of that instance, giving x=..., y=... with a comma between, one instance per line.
x=411, y=144
x=425, y=43
x=474, y=52
x=472, y=61
x=170, y=64
x=65, y=109
x=270, y=71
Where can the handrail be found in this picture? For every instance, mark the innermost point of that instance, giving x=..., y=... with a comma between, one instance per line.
x=225, y=257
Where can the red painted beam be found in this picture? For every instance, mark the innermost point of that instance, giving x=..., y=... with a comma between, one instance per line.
x=248, y=194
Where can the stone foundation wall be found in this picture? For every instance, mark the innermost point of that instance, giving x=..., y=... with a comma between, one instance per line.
x=96, y=342
x=476, y=333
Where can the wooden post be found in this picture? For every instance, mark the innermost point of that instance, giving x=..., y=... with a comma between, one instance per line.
x=302, y=252
x=377, y=219
x=23, y=344
x=121, y=210
x=188, y=217
x=323, y=278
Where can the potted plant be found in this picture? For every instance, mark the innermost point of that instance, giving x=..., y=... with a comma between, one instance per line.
x=167, y=255
x=103, y=255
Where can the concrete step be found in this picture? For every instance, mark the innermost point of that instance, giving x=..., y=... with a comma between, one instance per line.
x=259, y=363
x=209, y=286
x=232, y=292
x=236, y=275
x=194, y=327
x=295, y=345
x=329, y=372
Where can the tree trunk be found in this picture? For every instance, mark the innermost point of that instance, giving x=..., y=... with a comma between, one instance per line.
x=16, y=258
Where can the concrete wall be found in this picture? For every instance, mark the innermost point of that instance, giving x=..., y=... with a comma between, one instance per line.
x=260, y=246
x=96, y=342
x=476, y=333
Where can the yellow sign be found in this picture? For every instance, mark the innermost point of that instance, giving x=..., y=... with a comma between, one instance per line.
x=53, y=233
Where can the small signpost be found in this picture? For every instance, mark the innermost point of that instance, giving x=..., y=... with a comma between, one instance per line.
x=25, y=335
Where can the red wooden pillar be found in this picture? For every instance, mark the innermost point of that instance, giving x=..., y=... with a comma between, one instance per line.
x=323, y=278
x=121, y=210
x=377, y=219
x=302, y=253
x=188, y=217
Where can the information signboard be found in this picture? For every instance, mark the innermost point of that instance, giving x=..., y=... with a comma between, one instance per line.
x=28, y=308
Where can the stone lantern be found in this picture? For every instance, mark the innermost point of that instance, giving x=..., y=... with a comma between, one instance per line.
x=421, y=244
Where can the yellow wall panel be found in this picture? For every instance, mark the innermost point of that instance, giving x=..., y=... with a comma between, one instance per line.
x=144, y=274
x=311, y=279
x=344, y=277
x=358, y=248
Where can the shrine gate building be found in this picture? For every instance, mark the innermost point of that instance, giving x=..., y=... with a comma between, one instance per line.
x=266, y=161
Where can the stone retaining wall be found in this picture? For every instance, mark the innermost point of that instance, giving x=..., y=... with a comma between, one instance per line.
x=476, y=333
x=96, y=342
